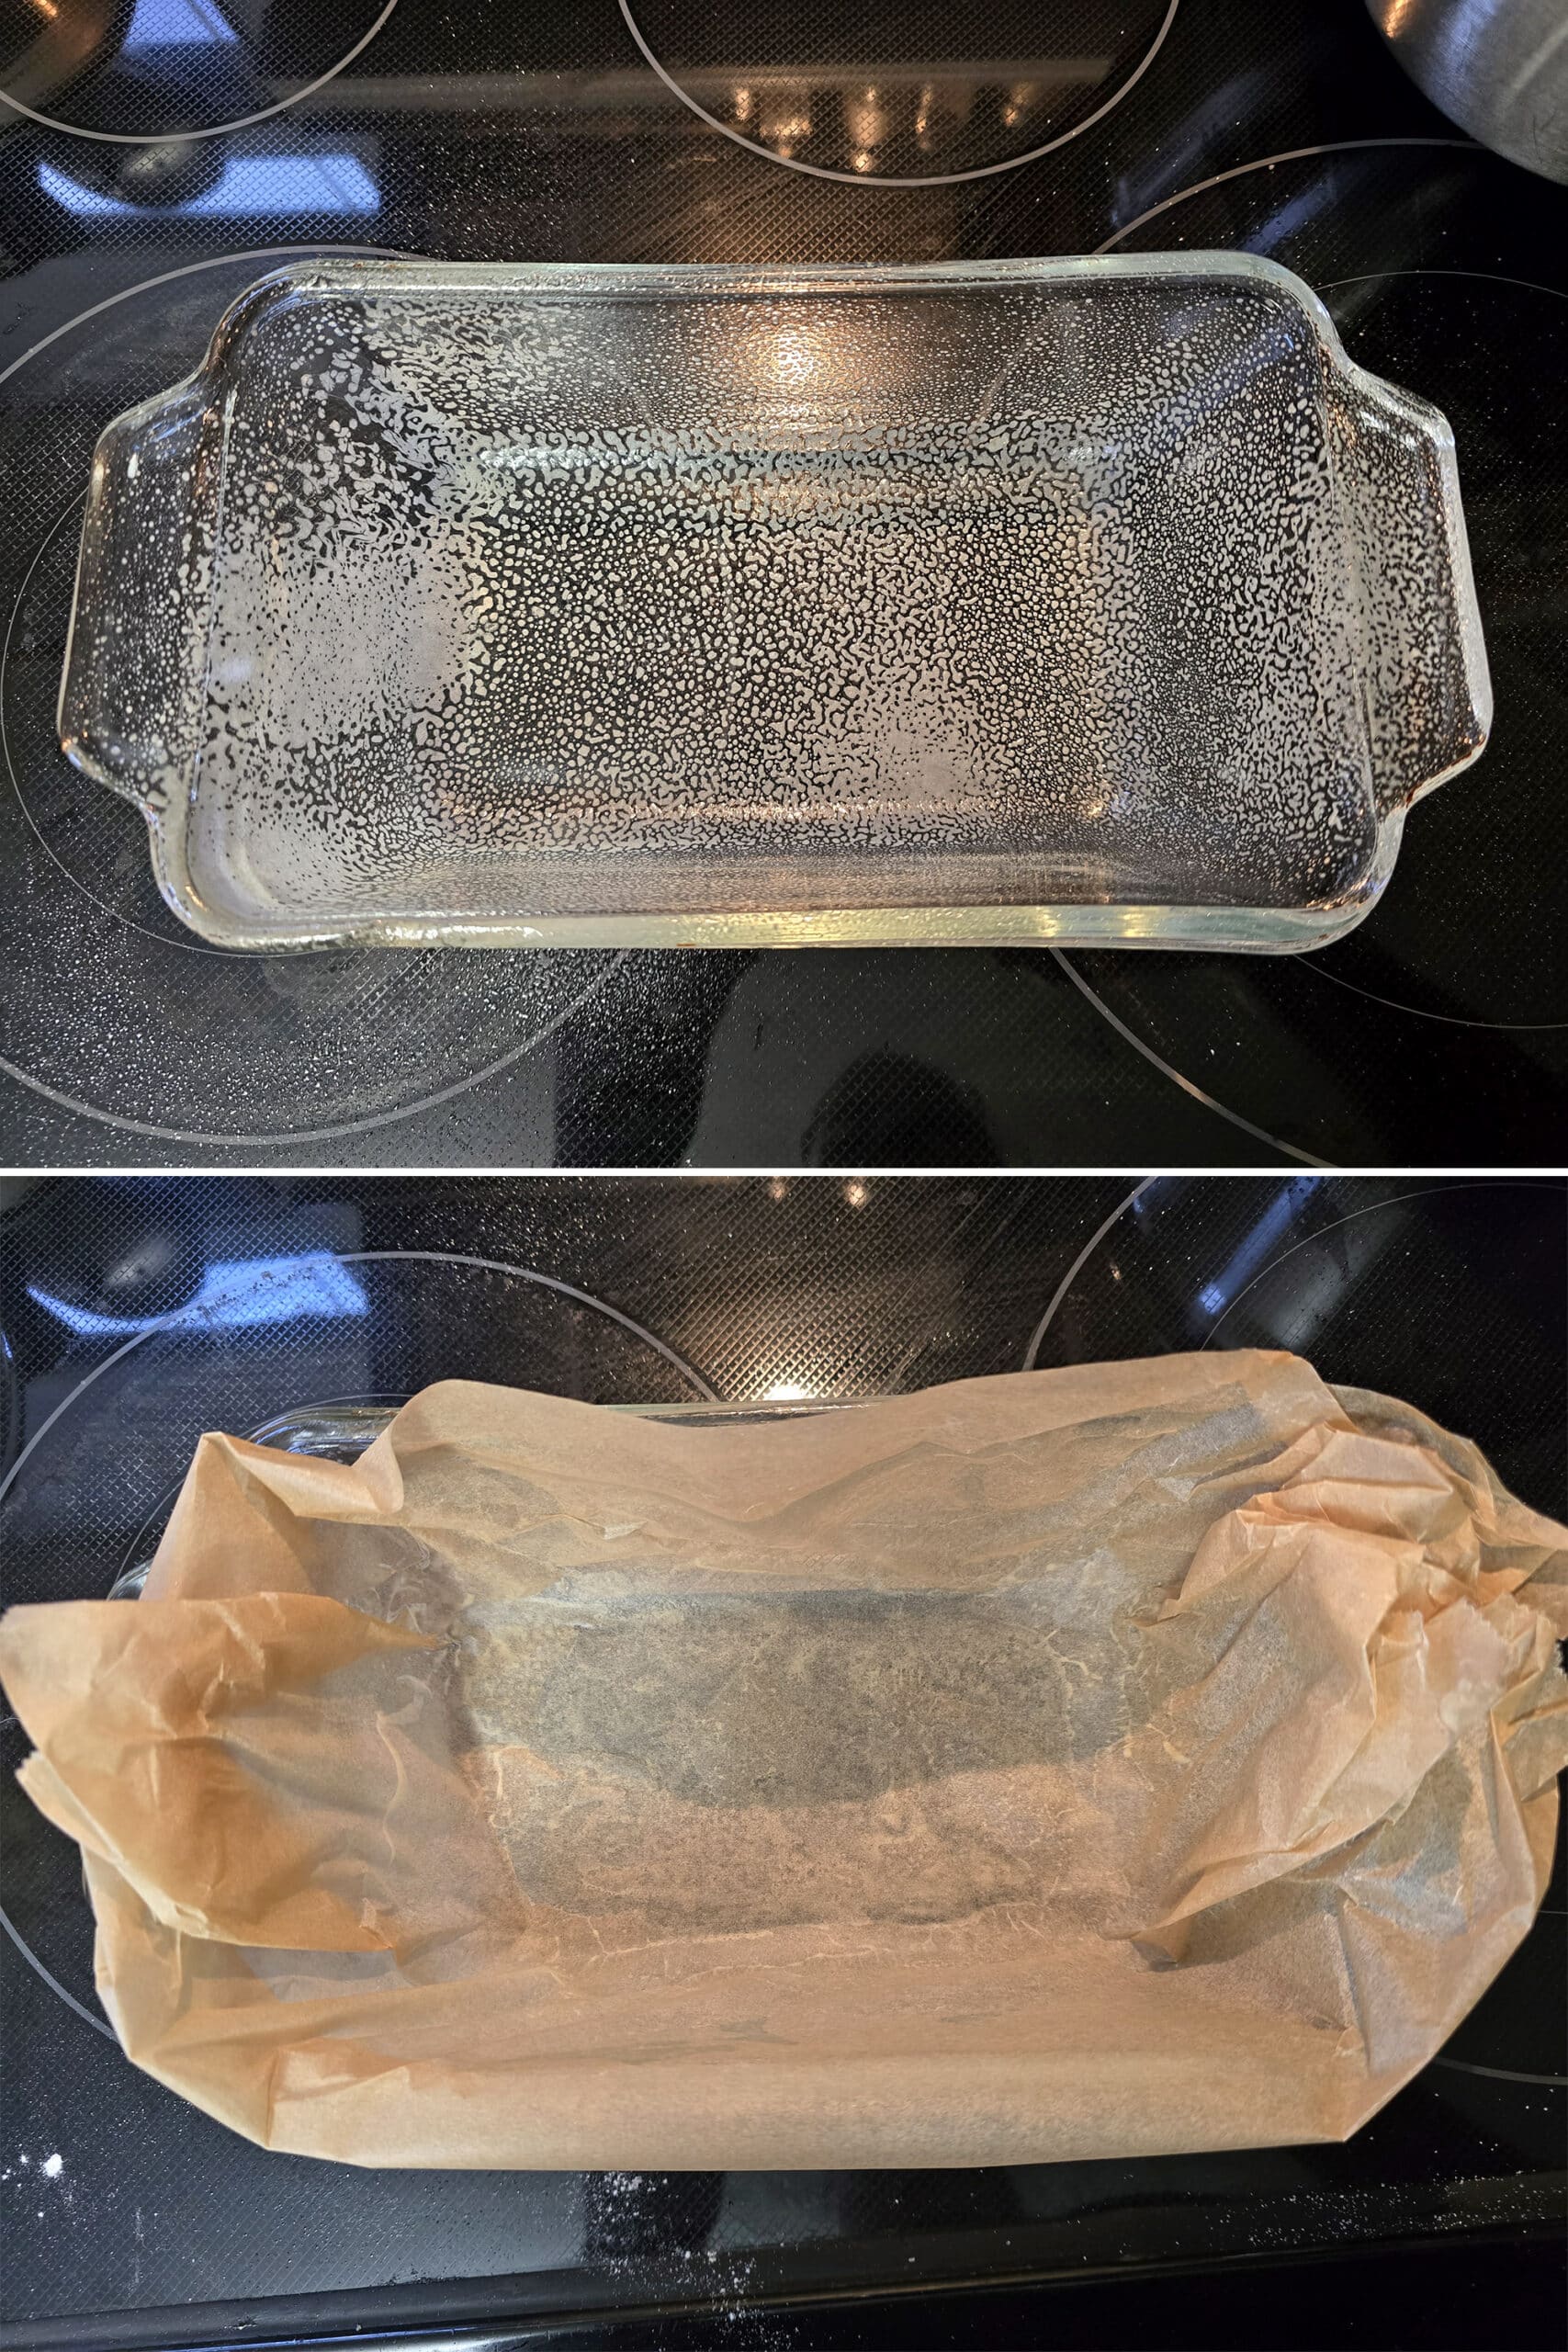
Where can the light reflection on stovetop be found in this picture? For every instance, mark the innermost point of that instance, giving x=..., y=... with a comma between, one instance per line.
x=148, y=75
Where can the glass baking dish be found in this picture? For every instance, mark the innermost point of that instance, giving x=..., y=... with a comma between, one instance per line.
x=1095, y=601
x=342, y=1428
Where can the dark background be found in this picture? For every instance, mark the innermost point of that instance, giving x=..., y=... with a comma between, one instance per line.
x=132, y=1312
x=1434, y=1035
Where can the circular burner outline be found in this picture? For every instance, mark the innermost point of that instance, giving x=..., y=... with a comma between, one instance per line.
x=187, y=1315
x=183, y=1315
x=1417, y=1013
x=321, y=1134
x=1031, y=1352
x=1313, y=962
x=1150, y=1054
x=1373, y=1208
x=1310, y=962
x=196, y=946
x=213, y=130
x=913, y=179
x=1266, y=163
x=165, y=1502
x=303, y=1134
x=1188, y=1085
x=1538, y=1184
x=307, y=252
x=1030, y=1355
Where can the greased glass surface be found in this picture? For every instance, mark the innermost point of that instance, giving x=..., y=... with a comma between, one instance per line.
x=1078, y=600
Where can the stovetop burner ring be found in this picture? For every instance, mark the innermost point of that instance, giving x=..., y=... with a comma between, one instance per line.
x=888, y=179
x=190, y=1316
x=115, y=954
x=207, y=130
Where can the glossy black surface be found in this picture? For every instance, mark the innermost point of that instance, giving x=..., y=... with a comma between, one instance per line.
x=1434, y=1034
x=139, y=1311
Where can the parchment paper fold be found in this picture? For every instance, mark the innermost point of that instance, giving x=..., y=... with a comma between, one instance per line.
x=1135, y=1757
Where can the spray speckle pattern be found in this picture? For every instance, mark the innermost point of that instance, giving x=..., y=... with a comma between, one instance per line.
x=1067, y=600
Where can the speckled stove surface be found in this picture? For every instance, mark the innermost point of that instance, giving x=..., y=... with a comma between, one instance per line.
x=157, y=155
x=137, y=1312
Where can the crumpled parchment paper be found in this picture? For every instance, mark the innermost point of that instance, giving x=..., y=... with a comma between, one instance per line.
x=1134, y=1758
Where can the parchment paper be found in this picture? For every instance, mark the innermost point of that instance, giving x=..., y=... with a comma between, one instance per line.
x=1135, y=1757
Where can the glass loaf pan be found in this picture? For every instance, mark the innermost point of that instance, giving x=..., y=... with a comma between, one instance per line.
x=342, y=1428
x=1093, y=602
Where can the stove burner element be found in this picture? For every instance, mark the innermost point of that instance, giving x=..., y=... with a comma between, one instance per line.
x=906, y=96
x=172, y=69
x=1452, y=1000
x=131, y=1424
x=1447, y=1294
x=111, y=1006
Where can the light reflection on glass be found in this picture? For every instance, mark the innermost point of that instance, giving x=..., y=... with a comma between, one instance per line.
x=271, y=185
x=174, y=24
x=791, y=354
x=235, y=1293
x=784, y=123
x=1248, y=1259
x=865, y=118
x=1298, y=213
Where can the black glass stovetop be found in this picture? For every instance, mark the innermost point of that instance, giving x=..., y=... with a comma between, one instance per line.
x=137, y=1312
x=156, y=155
